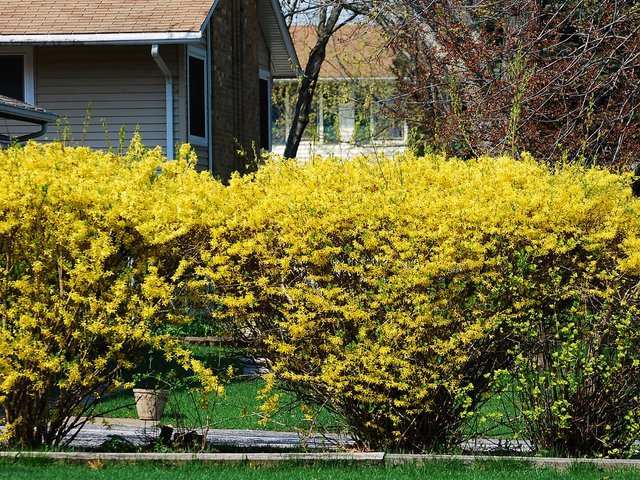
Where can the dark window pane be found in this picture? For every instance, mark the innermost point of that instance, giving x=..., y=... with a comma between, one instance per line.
x=362, y=134
x=387, y=126
x=330, y=126
x=265, y=121
x=196, y=97
x=12, y=76
x=278, y=123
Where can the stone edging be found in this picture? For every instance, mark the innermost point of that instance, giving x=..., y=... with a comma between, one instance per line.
x=373, y=458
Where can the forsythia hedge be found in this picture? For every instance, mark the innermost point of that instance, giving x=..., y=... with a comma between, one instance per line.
x=96, y=256
x=399, y=292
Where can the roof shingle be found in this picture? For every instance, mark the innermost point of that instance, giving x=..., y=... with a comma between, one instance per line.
x=56, y=17
x=358, y=50
x=24, y=111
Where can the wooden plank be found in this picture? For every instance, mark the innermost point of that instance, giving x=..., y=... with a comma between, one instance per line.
x=370, y=458
x=548, y=462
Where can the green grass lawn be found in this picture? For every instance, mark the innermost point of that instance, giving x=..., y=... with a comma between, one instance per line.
x=47, y=470
x=239, y=408
x=495, y=419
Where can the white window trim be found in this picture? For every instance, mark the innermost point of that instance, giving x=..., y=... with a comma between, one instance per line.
x=200, y=53
x=29, y=77
x=265, y=74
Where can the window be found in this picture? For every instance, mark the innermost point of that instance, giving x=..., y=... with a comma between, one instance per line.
x=16, y=77
x=347, y=121
x=282, y=96
x=330, y=126
x=386, y=126
x=197, y=75
x=12, y=78
x=279, y=123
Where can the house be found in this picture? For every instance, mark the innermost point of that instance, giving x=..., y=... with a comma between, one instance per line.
x=16, y=110
x=355, y=100
x=197, y=71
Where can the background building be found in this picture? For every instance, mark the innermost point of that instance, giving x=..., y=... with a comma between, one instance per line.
x=354, y=105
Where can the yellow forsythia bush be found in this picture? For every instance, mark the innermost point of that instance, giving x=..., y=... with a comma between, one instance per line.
x=398, y=293
x=96, y=255
x=395, y=292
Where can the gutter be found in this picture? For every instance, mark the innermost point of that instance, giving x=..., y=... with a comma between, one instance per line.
x=102, y=38
x=168, y=77
x=26, y=115
x=36, y=117
x=7, y=139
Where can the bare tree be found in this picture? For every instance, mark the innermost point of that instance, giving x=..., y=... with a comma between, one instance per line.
x=559, y=78
x=328, y=16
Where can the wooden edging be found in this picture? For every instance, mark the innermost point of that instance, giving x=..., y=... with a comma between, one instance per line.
x=559, y=463
x=373, y=458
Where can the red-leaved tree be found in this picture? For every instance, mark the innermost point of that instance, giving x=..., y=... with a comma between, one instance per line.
x=560, y=79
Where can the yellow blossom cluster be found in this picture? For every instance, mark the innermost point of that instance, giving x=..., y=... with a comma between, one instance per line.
x=96, y=255
x=398, y=292
x=393, y=291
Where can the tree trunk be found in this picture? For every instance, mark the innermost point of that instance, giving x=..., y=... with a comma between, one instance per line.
x=327, y=26
x=306, y=92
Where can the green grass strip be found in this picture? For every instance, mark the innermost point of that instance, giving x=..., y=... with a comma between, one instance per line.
x=28, y=469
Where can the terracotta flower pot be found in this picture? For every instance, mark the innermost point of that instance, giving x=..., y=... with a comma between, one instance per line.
x=150, y=403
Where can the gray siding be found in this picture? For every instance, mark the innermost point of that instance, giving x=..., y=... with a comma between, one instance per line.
x=99, y=90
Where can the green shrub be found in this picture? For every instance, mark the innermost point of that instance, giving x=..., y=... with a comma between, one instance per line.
x=576, y=376
x=394, y=292
x=96, y=256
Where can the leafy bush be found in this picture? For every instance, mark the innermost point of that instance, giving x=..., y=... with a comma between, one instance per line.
x=394, y=293
x=96, y=256
x=577, y=364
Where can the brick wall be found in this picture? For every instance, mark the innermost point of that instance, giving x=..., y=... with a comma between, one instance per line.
x=235, y=37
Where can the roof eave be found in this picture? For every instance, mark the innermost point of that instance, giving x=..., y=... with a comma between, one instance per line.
x=295, y=69
x=25, y=115
x=103, y=38
x=212, y=10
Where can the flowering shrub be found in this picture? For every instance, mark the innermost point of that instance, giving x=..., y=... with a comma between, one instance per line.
x=395, y=292
x=577, y=362
x=398, y=293
x=96, y=256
